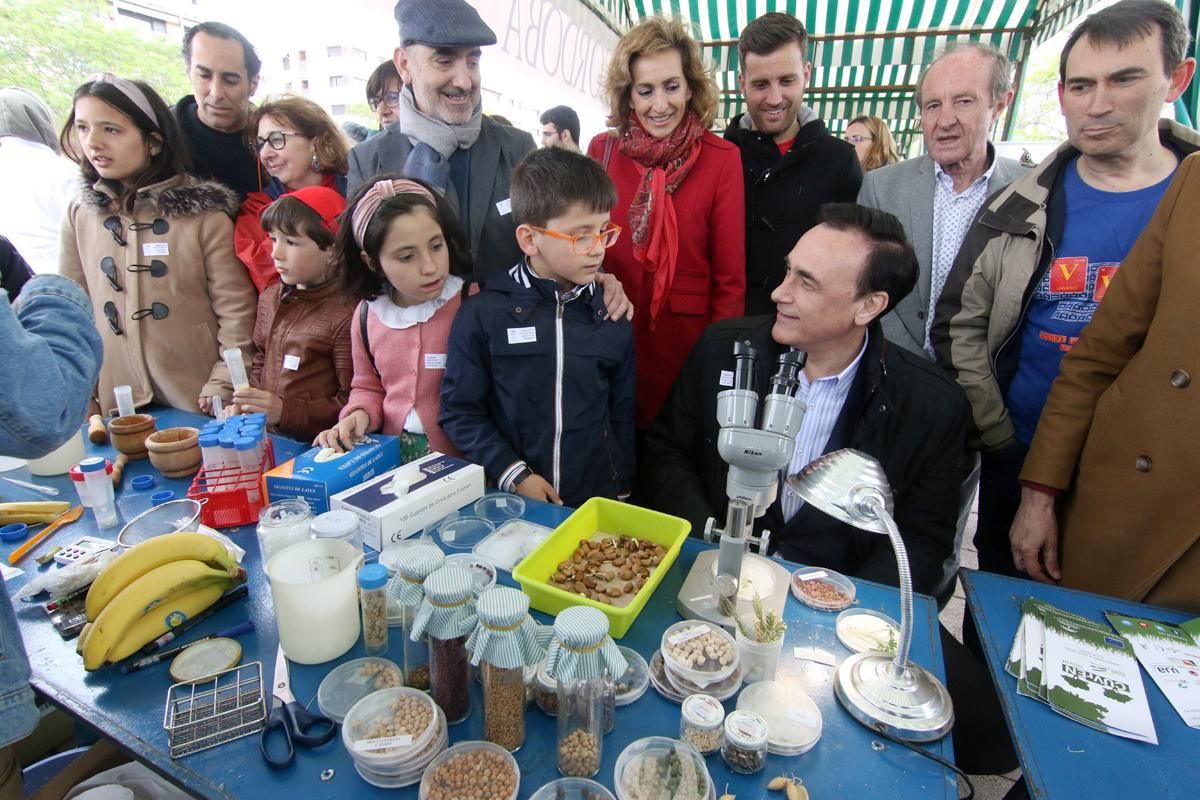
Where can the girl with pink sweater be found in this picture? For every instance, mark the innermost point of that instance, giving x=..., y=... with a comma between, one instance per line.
x=402, y=252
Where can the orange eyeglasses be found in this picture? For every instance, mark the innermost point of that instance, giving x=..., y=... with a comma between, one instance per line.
x=585, y=243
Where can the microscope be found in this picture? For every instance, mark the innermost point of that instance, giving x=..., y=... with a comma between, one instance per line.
x=722, y=584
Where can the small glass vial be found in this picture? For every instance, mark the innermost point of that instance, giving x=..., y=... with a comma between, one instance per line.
x=450, y=676
x=100, y=489
x=745, y=748
x=372, y=593
x=610, y=706
x=504, y=705
x=416, y=654
x=701, y=723
x=545, y=692
x=580, y=726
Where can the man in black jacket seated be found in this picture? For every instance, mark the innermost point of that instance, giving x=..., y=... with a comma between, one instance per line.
x=862, y=392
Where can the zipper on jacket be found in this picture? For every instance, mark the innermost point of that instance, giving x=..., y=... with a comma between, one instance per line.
x=558, y=379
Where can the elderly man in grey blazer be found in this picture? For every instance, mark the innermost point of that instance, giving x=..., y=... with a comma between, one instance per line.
x=443, y=136
x=935, y=196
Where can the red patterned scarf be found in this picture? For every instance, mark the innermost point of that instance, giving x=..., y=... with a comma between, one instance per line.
x=652, y=212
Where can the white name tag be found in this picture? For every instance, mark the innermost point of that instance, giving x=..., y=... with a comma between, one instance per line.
x=155, y=249
x=435, y=361
x=291, y=362
x=504, y=206
x=522, y=335
x=726, y=377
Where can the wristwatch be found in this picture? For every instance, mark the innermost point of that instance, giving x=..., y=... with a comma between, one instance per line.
x=520, y=476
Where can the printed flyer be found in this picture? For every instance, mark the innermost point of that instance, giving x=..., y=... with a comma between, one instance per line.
x=1171, y=657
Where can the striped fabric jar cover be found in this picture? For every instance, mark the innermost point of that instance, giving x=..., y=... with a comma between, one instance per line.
x=417, y=563
x=582, y=648
x=448, y=610
x=506, y=636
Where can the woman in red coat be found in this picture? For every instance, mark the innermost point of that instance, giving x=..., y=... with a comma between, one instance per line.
x=682, y=260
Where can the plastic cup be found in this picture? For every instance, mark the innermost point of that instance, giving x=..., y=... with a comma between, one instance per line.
x=314, y=586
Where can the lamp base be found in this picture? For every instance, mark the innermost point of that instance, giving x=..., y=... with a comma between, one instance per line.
x=913, y=705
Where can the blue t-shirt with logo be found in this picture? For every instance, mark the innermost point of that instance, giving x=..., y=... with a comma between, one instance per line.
x=1099, y=230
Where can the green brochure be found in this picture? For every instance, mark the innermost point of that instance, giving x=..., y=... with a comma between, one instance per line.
x=1192, y=626
x=1171, y=657
x=1090, y=675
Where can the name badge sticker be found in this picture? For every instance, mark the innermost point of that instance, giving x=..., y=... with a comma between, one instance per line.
x=522, y=335
x=155, y=249
x=291, y=362
x=435, y=361
x=504, y=206
x=726, y=378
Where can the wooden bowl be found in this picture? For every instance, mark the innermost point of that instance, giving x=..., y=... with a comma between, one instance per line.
x=175, y=452
x=129, y=434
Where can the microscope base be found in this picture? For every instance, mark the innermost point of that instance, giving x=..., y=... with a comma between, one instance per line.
x=697, y=599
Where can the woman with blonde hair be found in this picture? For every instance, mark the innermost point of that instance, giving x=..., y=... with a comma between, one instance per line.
x=300, y=145
x=872, y=141
x=682, y=260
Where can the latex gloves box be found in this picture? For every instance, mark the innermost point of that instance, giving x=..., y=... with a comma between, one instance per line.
x=317, y=474
x=405, y=501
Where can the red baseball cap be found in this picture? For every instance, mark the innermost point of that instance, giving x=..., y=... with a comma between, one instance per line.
x=325, y=201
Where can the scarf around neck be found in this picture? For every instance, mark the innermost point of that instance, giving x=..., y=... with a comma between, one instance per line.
x=434, y=141
x=667, y=163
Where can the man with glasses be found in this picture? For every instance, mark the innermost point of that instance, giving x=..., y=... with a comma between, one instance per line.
x=223, y=69
x=792, y=164
x=560, y=128
x=441, y=134
x=383, y=93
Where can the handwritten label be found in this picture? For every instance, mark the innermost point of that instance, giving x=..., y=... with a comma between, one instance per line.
x=811, y=576
x=382, y=743
x=801, y=718
x=504, y=206
x=522, y=335
x=435, y=361
x=688, y=635
x=726, y=377
x=155, y=249
x=291, y=362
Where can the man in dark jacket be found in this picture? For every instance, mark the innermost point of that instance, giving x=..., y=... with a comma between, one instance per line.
x=223, y=69
x=861, y=392
x=791, y=163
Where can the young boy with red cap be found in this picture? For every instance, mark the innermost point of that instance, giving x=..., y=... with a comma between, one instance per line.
x=300, y=377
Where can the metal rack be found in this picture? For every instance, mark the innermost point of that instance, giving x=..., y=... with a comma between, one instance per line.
x=219, y=709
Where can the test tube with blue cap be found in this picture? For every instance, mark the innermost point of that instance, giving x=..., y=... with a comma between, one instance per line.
x=210, y=454
x=229, y=460
x=237, y=369
x=249, y=466
x=256, y=433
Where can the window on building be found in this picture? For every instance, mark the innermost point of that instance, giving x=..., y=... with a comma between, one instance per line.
x=361, y=55
x=333, y=52
x=337, y=110
x=287, y=63
x=154, y=25
x=336, y=81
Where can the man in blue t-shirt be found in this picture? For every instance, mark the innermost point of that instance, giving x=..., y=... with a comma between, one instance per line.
x=1041, y=253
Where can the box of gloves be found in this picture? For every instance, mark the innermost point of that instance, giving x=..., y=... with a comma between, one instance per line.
x=403, y=502
x=319, y=473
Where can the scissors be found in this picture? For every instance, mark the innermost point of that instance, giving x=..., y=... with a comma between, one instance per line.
x=292, y=719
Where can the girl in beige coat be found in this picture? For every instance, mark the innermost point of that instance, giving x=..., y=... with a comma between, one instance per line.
x=153, y=247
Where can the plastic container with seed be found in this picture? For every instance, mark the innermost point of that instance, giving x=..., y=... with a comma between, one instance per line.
x=701, y=722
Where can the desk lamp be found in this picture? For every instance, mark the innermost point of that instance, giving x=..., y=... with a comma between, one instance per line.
x=879, y=690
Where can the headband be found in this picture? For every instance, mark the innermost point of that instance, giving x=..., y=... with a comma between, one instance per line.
x=364, y=212
x=133, y=93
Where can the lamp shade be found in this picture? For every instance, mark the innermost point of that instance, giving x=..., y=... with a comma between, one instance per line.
x=838, y=483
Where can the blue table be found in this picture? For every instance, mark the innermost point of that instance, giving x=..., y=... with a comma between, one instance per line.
x=129, y=709
x=1062, y=758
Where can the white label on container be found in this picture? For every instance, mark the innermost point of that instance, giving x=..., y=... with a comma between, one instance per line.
x=382, y=743
x=812, y=576
x=726, y=377
x=448, y=535
x=291, y=362
x=155, y=249
x=360, y=678
x=802, y=717
x=688, y=635
x=522, y=335
x=504, y=206
x=435, y=361
x=501, y=502
x=814, y=655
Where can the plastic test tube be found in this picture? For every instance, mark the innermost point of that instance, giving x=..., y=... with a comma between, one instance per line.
x=229, y=460
x=237, y=369
x=255, y=432
x=125, y=405
x=210, y=453
x=100, y=488
x=217, y=408
x=250, y=468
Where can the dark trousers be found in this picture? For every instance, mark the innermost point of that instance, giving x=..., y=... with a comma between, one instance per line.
x=982, y=743
x=999, y=498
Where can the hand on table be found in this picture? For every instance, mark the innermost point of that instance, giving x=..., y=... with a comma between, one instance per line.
x=1034, y=537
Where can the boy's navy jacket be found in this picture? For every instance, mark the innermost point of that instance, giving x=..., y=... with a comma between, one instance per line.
x=540, y=376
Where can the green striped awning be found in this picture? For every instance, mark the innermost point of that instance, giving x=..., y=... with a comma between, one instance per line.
x=866, y=54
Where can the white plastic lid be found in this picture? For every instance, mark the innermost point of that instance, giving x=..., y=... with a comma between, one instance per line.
x=793, y=720
x=746, y=729
x=703, y=711
x=334, y=524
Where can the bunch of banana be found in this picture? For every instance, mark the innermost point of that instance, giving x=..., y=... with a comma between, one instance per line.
x=151, y=588
x=32, y=512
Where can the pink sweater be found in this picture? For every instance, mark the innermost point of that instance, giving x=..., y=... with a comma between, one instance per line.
x=411, y=362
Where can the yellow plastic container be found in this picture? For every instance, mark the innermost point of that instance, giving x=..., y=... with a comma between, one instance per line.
x=599, y=514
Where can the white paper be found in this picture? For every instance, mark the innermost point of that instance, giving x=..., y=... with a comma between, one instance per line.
x=726, y=377
x=382, y=743
x=435, y=361
x=155, y=249
x=522, y=335
x=1171, y=658
x=688, y=635
x=291, y=362
x=504, y=206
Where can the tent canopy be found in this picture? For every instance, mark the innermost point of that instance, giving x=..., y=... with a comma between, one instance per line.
x=866, y=54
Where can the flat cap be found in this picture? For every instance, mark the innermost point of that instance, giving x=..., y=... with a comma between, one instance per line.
x=442, y=23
